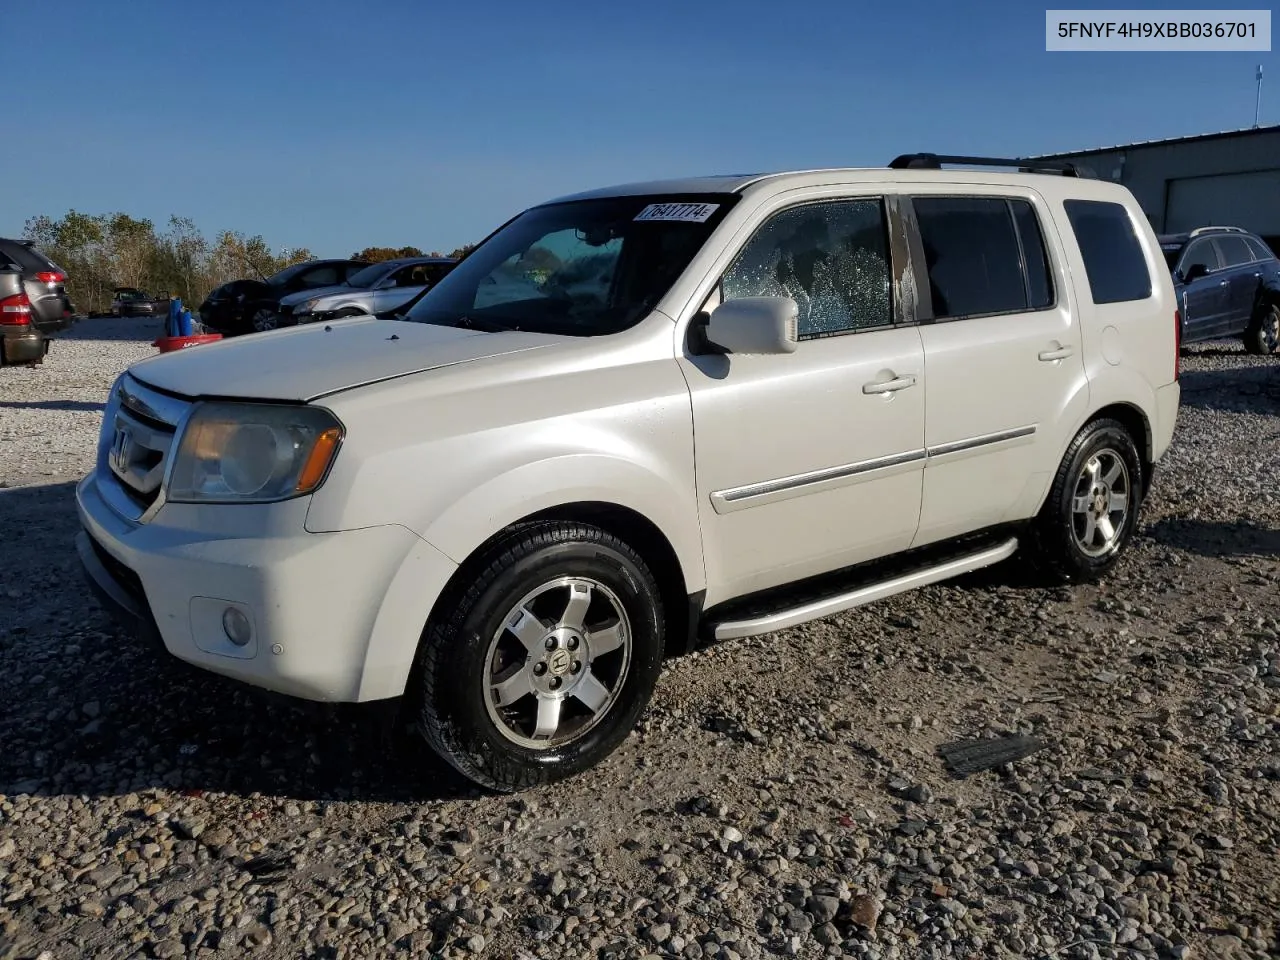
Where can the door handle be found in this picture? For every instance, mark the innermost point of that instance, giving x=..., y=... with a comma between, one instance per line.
x=889, y=386
x=1061, y=353
x=1224, y=283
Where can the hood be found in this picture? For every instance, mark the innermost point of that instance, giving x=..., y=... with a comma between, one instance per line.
x=293, y=299
x=307, y=362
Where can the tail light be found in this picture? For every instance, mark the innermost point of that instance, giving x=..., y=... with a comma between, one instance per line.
x=15, y=310
x=1177, y=344
x=51, y=276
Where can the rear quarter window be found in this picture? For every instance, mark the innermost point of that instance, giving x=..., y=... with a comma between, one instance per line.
x=1108, y=242
x=28, y=258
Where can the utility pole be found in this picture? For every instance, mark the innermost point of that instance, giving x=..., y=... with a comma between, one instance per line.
x=1257, y=103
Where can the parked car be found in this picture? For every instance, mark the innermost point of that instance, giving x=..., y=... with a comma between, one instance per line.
x=1228, y=285
x=132, y=302
x=378, y=288
x=33, y=302
x=796, y=393
x=245, y=306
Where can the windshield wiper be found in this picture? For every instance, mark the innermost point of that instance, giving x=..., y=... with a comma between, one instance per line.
x=481, y=323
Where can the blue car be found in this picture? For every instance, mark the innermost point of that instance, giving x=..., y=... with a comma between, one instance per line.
x=1228, y=285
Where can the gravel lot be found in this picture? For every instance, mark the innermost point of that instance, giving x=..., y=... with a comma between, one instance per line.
x=783, y=797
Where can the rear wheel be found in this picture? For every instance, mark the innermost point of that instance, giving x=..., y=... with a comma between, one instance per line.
x=1263, y=334
x=542, y=663
x=1092, y=508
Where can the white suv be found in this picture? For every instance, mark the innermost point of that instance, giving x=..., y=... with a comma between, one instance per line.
x=630, y=418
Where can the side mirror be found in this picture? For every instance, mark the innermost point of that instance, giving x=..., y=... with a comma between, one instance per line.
x=755, y=325
x=1195, y=272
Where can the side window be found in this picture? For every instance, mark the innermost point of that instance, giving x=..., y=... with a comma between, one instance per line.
x=1113, y=258
x=1260, y=250
x=350, y=269
x=1234, y=251
x=320, y=276
x=831, y=258
x=410, y=276
x=973, y=256
x=434, y=271
x=1202, y=252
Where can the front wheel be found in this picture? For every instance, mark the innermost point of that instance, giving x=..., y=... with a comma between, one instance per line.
x=543, y=663
x=264, y=319
x=1263, y=335
x=1092, y=508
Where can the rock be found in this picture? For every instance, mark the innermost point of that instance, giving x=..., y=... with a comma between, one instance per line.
x=732, y=835
x=190, y=828
x=541, y=923
x=474, y=944
x=92, y=709
x=823, y=908
x=827, y=935
x=659, y=933
x=864, y=910
x=91, y=908
x=920, y=793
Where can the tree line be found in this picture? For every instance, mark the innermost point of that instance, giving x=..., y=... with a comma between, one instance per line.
x=100, y=252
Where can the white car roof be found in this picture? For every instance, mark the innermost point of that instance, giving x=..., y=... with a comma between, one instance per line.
x=792, y=179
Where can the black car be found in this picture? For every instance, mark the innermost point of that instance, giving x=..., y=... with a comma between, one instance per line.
x=1228, y=285
x=132, y=302
x=243, y=306
x=33, y=302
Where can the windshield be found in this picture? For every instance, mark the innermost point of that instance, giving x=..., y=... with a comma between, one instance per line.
x=584, y=267
x=370, y=274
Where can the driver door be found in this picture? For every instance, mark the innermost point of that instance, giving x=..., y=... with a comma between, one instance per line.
x=1205, y=298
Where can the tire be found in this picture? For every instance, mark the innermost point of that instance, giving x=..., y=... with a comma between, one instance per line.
x=1068, y=539
x=1263, y=334
x=488, y=728
x=264, y=319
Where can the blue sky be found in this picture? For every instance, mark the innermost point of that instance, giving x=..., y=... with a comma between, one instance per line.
x=335, y=125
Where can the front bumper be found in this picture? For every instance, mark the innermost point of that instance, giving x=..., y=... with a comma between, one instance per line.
x=317, y=603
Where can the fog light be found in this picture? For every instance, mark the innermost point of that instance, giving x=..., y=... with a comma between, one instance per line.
x=236, y=626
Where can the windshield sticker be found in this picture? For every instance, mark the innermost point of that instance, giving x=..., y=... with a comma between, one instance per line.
x=680, y=212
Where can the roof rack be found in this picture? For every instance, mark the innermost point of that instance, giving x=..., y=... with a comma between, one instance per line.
x=934, y=161
x=1199, y=230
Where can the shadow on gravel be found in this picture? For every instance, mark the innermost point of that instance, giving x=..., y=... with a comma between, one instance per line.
x=87, y=710
x=74, y=405
x=1239, y=389
x=1210, y=539
x=139, y=329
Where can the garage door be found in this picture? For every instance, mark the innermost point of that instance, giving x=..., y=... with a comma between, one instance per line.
x=1248, y=200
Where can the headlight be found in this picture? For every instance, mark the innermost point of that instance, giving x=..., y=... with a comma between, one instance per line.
x=306, y=306
x=253, y=453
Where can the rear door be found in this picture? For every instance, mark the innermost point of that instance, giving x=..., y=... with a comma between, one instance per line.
x=1002, y=350
x=1204, y=300
x=1244, y=278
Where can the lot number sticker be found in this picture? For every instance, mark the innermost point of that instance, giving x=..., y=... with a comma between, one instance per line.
x=680, y=212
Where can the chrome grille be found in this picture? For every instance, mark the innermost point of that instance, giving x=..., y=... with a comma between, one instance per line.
x=141, y=438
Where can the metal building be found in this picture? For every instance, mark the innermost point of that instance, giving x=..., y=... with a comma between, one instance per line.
x=1230, y=178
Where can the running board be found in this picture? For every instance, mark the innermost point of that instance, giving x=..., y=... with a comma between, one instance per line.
x=868, y=593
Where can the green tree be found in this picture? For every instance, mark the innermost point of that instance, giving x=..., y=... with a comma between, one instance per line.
x=379, y=254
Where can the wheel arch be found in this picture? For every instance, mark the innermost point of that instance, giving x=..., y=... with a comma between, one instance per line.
x=681, y=605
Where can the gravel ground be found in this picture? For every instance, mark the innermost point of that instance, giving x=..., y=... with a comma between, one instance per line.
x=783, y=797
